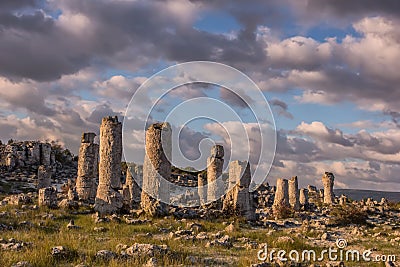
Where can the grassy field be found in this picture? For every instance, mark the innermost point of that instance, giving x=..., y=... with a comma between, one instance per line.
x=45, y=232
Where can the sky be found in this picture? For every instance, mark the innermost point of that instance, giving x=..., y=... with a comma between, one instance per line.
x=328, y=68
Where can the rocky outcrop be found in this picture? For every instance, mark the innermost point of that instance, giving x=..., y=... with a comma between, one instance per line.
x=48, y=197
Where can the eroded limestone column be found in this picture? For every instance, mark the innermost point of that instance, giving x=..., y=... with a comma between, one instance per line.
x=44, y=176
x=294, y=193
x=157, y=169
x=238, y=200
x=88, y=168
x=303, y=198
x=281, y=200
x=202, y=187
x=131, y=190
x=48, y=197
x=215, y=165
x=108, y=197
x=328, y=181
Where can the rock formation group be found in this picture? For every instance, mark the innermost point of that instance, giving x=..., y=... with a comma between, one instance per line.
x=100, y=180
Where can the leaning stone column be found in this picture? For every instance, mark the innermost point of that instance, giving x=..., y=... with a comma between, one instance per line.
x=202, y=187
x=88, y=168
x=157, y=169
x=238, y=200
x=294, y=193
x=108, y=198
x=44, y=176
x=281, y=201
x=328, y=181
x=215, y=164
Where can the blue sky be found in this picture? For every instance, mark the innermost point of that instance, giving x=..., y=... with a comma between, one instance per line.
x=328, y=68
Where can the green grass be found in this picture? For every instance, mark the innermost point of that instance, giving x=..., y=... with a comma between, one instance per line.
x=83, y=243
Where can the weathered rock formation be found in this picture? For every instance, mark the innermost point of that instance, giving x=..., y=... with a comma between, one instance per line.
x=281, y=202
x=88, y=168
x=27, y=153
x=157, y=169
x=131, y=190
x=48, y=197
x=215, y=165
x=294, y=193
x=44, y=176
x=108, y=197
x=328, y=181
x=303, y=198
x=202, y=187
x=238, y=200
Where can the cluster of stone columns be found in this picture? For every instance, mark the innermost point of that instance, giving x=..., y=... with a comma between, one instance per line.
x=238, y=200
x=157, y=169
x=108, y=198
x=88, y=168
x=288, y=195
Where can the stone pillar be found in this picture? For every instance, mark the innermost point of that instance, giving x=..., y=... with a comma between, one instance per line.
x=215, y=164
x=328, y=181
x=131, y=190
x=202, y=187
x=238, y=200
x=48, y=197
x=45, y=154
x=44, y=176
x=303, y=199
x=157, y=169
x=108, y=198
x=281, y=202
x=10, y=161
x=343, y=200
x=294, y=193
x=88, y=168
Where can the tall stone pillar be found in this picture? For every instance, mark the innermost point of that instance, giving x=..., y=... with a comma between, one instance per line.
x=238, y=200
x=215, y=165
x=281, y=200
x=157, y=169
x=294, y=193
x=328, y=181
x=88, y=168
x=108, y=198
x=44, y=176
x=202, y=187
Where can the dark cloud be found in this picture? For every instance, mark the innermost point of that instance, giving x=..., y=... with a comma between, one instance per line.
x=362, y=7
x=281, y=108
